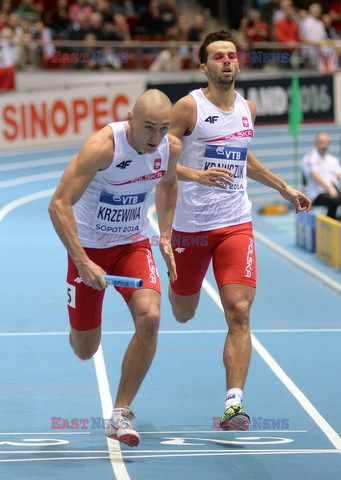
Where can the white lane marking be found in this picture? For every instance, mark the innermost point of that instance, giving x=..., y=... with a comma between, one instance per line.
x=115, y=452
x=175, y=332
x=23, y=200
x=7, y=167
x=298, y=262
x=31, y=178
x=327, y=429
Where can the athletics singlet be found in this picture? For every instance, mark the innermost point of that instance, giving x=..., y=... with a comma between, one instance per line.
x=219, y=139
x=113, y=209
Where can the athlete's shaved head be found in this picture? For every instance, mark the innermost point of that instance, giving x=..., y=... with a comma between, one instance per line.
x=151, y=100
x=149, y=120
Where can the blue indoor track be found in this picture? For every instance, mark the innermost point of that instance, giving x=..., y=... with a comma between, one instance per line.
x=292, y=393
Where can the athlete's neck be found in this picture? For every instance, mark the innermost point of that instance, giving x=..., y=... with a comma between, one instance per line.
x=130, y=139
x=222, y=98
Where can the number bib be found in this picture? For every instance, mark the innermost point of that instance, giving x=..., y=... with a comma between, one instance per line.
x=232, y=158
x=120, y=213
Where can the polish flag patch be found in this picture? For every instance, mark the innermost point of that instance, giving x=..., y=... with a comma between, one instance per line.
x=157, y=163
x=245, y=121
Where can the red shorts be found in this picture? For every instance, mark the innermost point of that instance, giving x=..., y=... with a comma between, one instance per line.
x=232, y=250
x=132, y=260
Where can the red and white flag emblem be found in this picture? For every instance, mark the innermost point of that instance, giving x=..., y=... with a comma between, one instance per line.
x=157, y=163
x=245, y=121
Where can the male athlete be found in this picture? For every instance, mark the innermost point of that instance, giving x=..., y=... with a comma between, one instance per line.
x=99, y=210
x=216, y=127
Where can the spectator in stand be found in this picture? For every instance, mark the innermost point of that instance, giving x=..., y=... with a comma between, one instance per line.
x=197, y=29
x=183, y=28
x=267, y=12
x=286, y=29
x=168, y=60
x=105, y=9
x=151, y=21
x=127, y=7
x=328, y=25
x=251, y=30
x=77, y=32
x=313, y=32
x=80, y=6
x=60, y=21
x=96, y=26
x=120, y=28
x=28, y=11
x=281, y=12
x=169, y=15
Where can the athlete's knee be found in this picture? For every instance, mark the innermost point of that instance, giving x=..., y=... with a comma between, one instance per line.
x=238, y=314
x=147, y=323
x=183, y=316
x=84, y=350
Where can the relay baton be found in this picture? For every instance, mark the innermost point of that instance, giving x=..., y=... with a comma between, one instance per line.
x=129, y=282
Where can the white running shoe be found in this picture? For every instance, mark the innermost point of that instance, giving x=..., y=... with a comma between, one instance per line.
x=119, y=428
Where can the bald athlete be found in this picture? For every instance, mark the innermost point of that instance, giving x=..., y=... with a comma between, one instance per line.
x=99, y=211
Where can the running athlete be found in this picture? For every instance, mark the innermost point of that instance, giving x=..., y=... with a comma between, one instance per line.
x=99, y=211
x=216, y=127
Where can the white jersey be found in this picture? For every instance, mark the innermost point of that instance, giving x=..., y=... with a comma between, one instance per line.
x=328, y=168
x=219, y=139
x=113, y=209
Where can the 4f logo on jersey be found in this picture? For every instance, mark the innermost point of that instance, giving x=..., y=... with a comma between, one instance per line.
x=124, y=164
x=211, y=119
x=245, y=121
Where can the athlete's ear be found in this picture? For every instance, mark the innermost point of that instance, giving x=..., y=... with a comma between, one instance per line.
x=202, y=67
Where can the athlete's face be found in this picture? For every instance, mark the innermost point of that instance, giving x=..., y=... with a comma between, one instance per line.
x=222, y=65
x=149, y=128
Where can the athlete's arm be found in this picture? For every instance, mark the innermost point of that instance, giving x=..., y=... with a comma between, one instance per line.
x=165, y=202
x=184, y=117
x=258, y=172
x=96, y=154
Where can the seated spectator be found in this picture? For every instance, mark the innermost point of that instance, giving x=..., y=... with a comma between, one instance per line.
x=168, y=13
x=168, y=60
x=322, y=172
x=196, y=30
x=182, y=28
x=105, y=8
x=80, y=6
x=151, y=21
x=119, y=30
x=283, y=8
x=286, y=29
x=267, y=12
x=328, y=25
x=28, y=11
x=127, y=7
x=96, y=26
x=60, y=21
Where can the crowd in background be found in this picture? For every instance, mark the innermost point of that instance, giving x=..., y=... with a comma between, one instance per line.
x=285, y=21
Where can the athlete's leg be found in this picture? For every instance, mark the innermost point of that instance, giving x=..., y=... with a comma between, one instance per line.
x=144, y=306
x=237, y=300
x=234, y=265
x=192, y=254
x=85, y=311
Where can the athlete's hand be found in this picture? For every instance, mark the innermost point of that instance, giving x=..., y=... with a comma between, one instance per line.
x=302, y=202
x=92, y=275
x=215, y=177
x=167, y=253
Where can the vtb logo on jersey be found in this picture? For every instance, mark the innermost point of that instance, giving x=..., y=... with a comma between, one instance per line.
x=245, y=121
x=157, y=163
x=124, y=164
x=211, y=119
